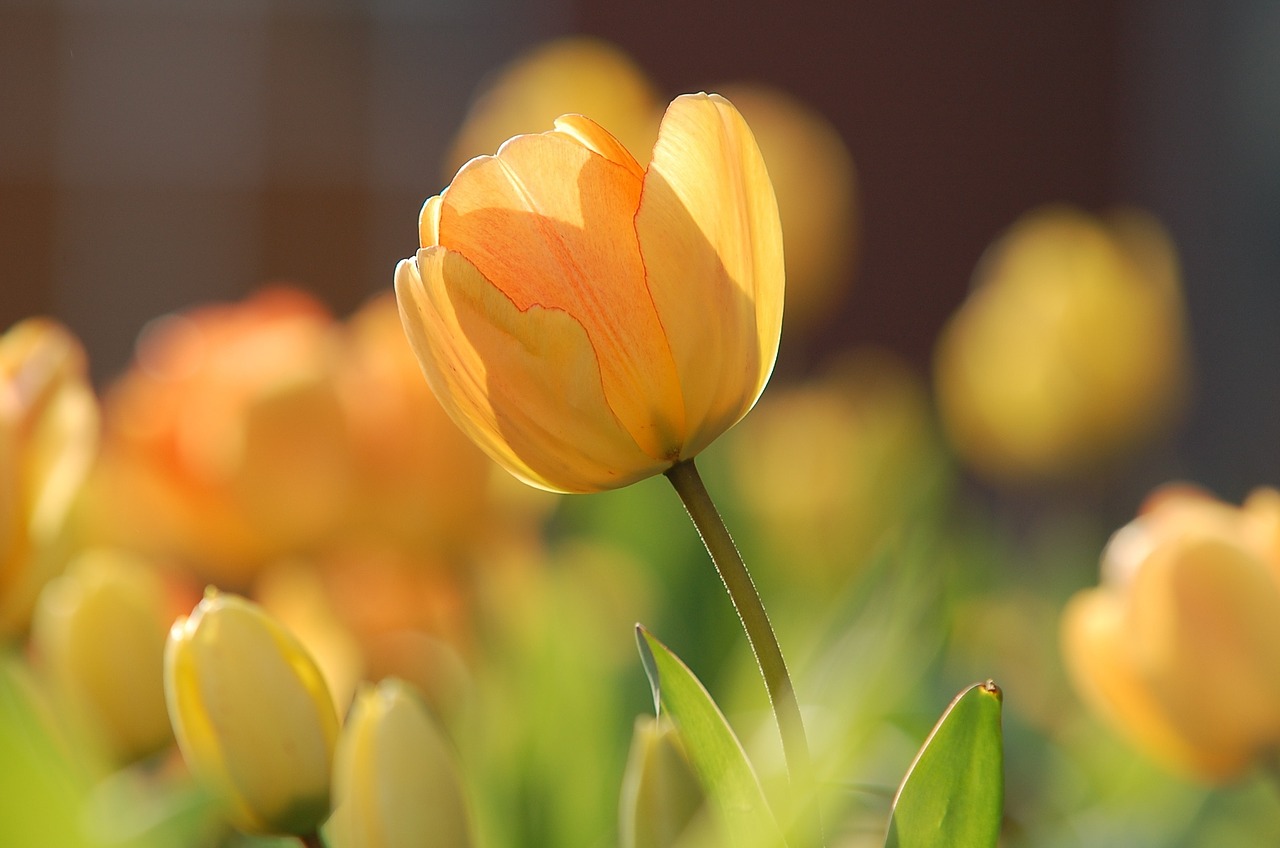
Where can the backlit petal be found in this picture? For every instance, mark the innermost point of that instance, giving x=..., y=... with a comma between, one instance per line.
x=712, y=245
x=429, y=222
x=1097, y=651
x=549, y=223
x=595, y=137
x=1204, y=628
x=524, y=384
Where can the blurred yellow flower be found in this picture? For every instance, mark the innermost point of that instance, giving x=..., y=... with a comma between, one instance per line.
x=395, y=784
x=48, y=440
x=226, y=442
x=1070, y=348
x=571, y=75
x=589, y=322
x=828, y=469
x=252, y=714
x=99, y=630
x=816, y=184
x=1179, y=647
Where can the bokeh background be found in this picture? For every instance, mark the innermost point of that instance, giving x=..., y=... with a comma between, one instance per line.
x=154, y=155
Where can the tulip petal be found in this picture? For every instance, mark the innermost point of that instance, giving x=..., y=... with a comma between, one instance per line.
x=523, y=384
x=1098, y=655
x=429, y=222
x=595, y=137
x=548, y=222
x=1206, y=635
x=712, y=244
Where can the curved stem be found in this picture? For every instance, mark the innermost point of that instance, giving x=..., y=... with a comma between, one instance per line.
x=755, y=621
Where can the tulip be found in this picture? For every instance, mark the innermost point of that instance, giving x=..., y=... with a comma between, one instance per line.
x=418, y=480
x=1179, y=648
x=99, y=629
x=225, y=443
x=589, y=322
x=48, y=440
x=661, y=793
x=252, y=715
x=395, y=784
x=1070, y=349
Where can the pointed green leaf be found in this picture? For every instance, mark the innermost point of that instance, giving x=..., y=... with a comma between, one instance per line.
x=718, y=758
x=953, y=794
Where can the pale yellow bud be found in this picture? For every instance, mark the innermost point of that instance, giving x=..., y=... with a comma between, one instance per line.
x=395, y=784
x=99, y=630
x=660, y=793
x=252, y=715
x=48, y=439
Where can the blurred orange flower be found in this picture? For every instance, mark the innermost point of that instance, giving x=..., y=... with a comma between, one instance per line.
x=589, y=322
x=1180, y=645
x=225, y=441
x=419, y=482
x=48, y=439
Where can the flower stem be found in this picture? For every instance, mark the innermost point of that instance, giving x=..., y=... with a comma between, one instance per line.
x=755, y=621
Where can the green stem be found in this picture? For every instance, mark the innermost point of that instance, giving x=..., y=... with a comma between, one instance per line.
x=755, y=621
x=312, y=840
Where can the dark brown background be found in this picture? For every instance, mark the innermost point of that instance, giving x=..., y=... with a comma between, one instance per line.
x=152, y=157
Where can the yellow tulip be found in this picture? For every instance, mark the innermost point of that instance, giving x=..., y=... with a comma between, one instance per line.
x=1180, y=646
x=395, y=784
x=252, y=715
x=590, y=322
x=99, y=629
x=1069, y=350
x=48, y=440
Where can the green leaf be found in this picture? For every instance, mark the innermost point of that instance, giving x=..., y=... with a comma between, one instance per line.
x=953, y=794
x=717, y=757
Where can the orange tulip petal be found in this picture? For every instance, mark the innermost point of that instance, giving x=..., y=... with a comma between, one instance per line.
x=523, y=383
x=1097, y=652
x=548, y=222
x=1204, y=625
x=712, y=244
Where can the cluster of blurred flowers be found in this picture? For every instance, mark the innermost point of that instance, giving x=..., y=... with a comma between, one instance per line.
x=475, y=634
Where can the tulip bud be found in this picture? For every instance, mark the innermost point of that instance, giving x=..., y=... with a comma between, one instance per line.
x=252, y=715
x=48, y=439
x=660, y=792
x=394, y=782
x=100, y=631
x=1180, y=645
